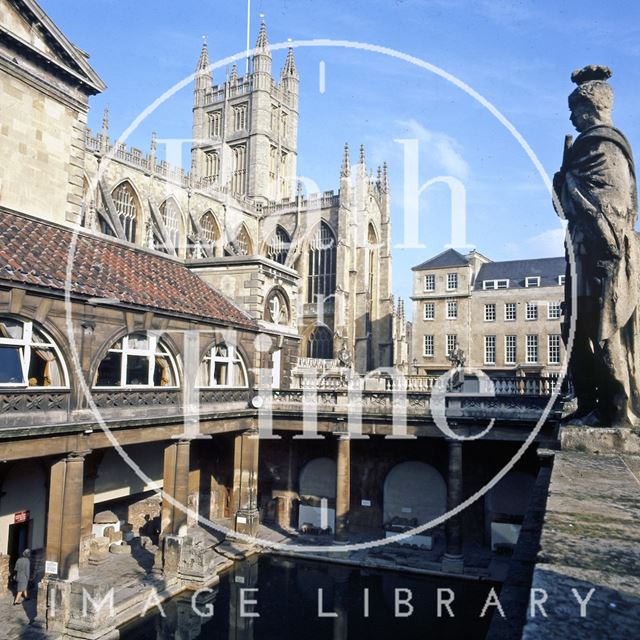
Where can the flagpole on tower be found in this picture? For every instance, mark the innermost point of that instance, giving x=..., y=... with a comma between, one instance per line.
x=248, y=33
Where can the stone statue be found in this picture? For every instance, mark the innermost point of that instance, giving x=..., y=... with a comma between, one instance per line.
x=457, y=359
x=595, y=191
x=344, y=356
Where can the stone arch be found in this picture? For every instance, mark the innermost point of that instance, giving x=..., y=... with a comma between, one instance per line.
x=240, y=244
x=414, y=492
x=317, y=482
x=279, y=294
x=211, y=232
x=322, y=259
x=173, y=220
x=278, y=246
x=128, y=203
x=319, y=342
x=24, y=488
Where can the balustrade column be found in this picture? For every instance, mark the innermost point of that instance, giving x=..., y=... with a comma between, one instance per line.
x=64, y=517
x=343, y=486
x=245, y=482
x=453, y=557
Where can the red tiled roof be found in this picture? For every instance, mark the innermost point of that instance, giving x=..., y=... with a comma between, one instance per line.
x=36, y=253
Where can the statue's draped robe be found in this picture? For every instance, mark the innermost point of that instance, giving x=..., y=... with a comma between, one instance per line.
x=599, y=200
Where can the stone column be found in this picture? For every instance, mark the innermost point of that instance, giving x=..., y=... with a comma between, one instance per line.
x=453, y=558
x=176, y=486
x=64, y=517
x=245, y=482
x=343, y=486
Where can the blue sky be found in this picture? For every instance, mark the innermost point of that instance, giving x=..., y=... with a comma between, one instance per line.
x=517, y=54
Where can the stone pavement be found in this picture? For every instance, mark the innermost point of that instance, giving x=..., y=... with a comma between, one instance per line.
x=16, y=620
x=590, y=539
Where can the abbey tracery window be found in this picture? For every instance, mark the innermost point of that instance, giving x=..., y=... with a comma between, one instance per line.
x=278, y=246
x=125, y=202
x=210, y=231
x=171, y=220
x=321, y=282
x=212, y=166
x=320, y=343
x=29, y=357
x=240, y=245
x=222, y=366
x=239, y=171
x=137, y=360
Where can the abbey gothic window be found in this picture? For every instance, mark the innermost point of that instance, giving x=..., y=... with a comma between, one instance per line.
x=278, y=247
x=321, y=281
x=238, y=176
x=125, y=202
x=240, y=117
x=320, y=343
x=215, y=124
x=212, y=166
x=210, y=231
x=171, y=220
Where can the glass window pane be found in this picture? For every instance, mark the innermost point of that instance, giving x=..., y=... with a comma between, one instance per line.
x=138, y=341
x=220, y=373
x=137, y=369
x=10, y=329
x=162, y=375
x=11, y=365
x=109, y=370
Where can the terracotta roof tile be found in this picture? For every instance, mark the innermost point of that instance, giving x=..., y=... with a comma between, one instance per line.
x=36, y=252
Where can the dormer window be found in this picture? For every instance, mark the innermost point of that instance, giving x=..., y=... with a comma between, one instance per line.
x=561, y=280
x=532, y=281
x=495, y=284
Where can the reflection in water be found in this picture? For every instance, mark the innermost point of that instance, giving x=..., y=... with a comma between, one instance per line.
x=268, y=598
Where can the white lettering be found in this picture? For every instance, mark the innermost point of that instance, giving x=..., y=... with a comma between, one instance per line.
x=581, y=602
x=403, y=601
x=208, y=609
x=536, y=603
x=321, y=612
x=446, y=603
x=244, y=602
x=152, y=601
x=492, y=601
x=97, y=605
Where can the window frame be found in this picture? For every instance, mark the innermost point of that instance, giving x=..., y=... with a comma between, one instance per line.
x=429, y=277
x=232, y=358
x=530, y=345
x=452, y=277
x=531, y=317
x=495, y=284
x=489, y=342
x=532, y=281
x=515, y=311
x=557, y=337
x=556, y=305
x=24, y=345
x=432, y=340
x=152, y=352
x=488, y=307
x=507, y=348
x=432, y=306
x=448, y=316
x=453, y=338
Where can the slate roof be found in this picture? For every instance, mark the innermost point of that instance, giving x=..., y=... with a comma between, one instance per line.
x=517, y=270
x=34, y=252
x=448, y=258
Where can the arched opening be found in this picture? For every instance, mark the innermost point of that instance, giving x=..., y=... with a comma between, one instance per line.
x=505, y=507
x=172, y=220
x=222, y=366
x=138, y=360
x=321, y=281
x=240, y=244
x=29, y=357
x=210, y=232
x=320, y=343
x=277, y=307
x=278, y=246
x=317, y=491
x=414, y=493
x=128, y=209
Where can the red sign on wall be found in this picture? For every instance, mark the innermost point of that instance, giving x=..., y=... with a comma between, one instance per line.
x=21, y=516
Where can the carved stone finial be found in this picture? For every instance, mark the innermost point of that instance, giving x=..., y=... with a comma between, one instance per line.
x=154, y=142
x=385, y=178
x=345, y=169
x=105, y=120
x=362, y=156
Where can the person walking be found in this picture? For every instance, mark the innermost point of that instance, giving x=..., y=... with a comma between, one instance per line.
x=22, y=570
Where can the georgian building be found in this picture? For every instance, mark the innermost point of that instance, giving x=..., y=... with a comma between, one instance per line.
x=504, y=316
